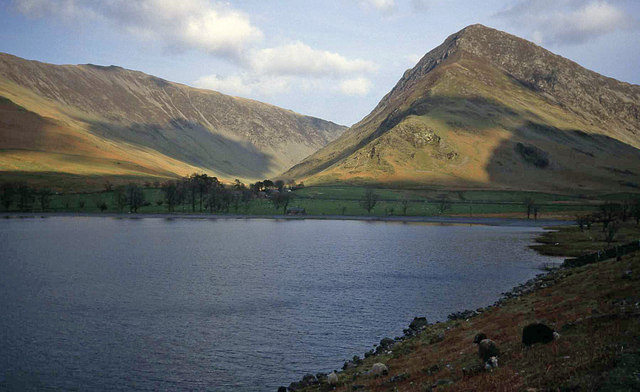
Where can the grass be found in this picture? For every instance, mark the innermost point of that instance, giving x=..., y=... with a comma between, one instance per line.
x=345, y=200
x=595, y=309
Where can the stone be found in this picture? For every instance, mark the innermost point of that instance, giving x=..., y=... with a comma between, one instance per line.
x=536, y=333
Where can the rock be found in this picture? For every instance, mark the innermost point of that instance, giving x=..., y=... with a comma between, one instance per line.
x=418, y=324
x=368, y=354
x=536, y=333
x=348, y=365
x=399, y=378
x=282, y=389
x=379, y=369
x=332, y=378
x=386, y=343
x=442, y=381
x=309, y=379
x=437, y=338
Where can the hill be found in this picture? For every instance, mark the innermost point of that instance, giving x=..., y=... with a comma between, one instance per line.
x=88, y=120
x=490, y=110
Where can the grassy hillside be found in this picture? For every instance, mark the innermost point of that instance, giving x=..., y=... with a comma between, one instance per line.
x=88, y=120
x=458, y=120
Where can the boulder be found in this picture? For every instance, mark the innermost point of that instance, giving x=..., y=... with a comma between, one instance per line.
x=536, y=333
x=418, y=323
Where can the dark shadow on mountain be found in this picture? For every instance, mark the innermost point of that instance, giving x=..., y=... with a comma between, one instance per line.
x=192, y=143
x=539, y=156
x=473, y=113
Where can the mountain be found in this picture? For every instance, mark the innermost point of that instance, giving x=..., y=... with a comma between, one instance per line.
x=487, y=109
x=90, y=120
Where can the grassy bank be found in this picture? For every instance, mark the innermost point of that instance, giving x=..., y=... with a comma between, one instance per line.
x=595, y=308
x=345, y=200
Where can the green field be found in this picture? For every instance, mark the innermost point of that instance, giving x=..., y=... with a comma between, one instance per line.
x=345, y=200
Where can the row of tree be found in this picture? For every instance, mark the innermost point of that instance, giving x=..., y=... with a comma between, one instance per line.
x=24, y=196
x=611, y=215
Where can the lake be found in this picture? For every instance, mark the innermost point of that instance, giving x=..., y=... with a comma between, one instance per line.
x=99, y=303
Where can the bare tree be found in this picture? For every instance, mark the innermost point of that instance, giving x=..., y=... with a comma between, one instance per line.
x=281, y=199
x=444, y=203
x=8, y=191
x=25, y=197
x=369, y=200
x=530, y=204
x=120, y=197
x=135, y=197
x=404, y=201
x=44, y=196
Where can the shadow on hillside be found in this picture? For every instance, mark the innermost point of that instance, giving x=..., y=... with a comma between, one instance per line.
x=536, y=155
x=194, y=144
x=541, y=156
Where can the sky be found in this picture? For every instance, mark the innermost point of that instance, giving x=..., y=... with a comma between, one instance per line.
x=330, y=59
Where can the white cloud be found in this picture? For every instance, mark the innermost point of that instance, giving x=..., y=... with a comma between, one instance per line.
x=566, y=21
x=422, y=5
x=357, y=86
x=186, y=24
x=385, y=6
x=300, y=59
x=245, y=85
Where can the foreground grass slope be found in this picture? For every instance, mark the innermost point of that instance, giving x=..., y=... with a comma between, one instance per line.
x=595, y=308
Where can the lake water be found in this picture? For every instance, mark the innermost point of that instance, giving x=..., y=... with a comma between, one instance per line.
x=242, y=305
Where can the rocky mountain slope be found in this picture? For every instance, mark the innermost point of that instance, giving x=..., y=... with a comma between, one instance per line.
x=93, y=120
x=487, y=109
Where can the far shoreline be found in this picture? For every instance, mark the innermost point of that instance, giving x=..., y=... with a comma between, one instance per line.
x=487, y=221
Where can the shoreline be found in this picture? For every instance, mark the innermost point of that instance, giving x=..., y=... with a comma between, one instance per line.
x=453, y=220
x=543, y=279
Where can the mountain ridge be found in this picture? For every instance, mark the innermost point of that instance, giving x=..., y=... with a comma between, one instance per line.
x=204, y=129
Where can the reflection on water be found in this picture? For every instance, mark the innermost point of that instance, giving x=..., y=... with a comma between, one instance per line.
x=247, y=305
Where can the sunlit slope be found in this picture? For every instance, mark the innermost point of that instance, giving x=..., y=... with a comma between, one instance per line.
x=468, y=116
x=107, y=120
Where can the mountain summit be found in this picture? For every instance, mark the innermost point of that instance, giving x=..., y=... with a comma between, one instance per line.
x=90, y=120
x=491, y=110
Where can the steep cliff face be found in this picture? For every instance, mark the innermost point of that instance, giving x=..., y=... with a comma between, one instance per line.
x=139, y=115
x=488, y=109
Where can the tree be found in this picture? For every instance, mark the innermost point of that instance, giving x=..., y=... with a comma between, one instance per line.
x=135, y=197
x=279, y=184
x=120, y=197
x=25, y=197
x=7, y=194
x=530, y=204
x=608, y=213
x=44, y=196
x=108, y=186
x=268, y=184
x=281, y=199
x=444, y=203
x=635, y=211
x=102, y=206
x=369, y=200
x=611, y=231
x=404, y=201
x=170, y=191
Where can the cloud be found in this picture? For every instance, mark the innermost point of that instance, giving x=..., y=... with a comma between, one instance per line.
x=357, y=86
x=300, y=59
x=385, y=6
x=245, y=85
x=188, y=24
x=566, y=21
x=422, y=5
